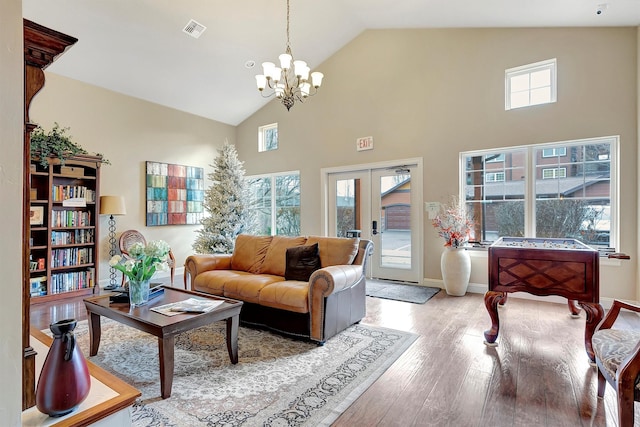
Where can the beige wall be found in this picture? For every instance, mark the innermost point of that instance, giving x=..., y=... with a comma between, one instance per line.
x=11, y=120
x=128, y=132
x=436, y=92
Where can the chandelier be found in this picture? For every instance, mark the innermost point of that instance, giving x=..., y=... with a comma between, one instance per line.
x=289, y=84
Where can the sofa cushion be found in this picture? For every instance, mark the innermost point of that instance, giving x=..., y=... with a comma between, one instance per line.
x=249, y=252
x=275, y=260
x=301, y=262
x=248, y=287
x=291, y=295
x=335, y=250
x=213, y=281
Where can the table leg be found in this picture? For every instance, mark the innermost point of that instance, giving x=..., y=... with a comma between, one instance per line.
x=94, y=333
x=595, y=313
x=165, y=350
x=491, y=300
x=232, y=338
x=573, y=308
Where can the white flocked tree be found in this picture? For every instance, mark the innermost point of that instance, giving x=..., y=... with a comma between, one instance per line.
x=227, y=202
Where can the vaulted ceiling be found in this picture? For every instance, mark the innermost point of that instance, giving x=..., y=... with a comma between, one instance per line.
x=138, y=48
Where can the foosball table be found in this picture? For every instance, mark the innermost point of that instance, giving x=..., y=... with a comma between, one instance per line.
x=543, y=267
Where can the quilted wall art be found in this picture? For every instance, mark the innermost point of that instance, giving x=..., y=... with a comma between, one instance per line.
x=175, y=194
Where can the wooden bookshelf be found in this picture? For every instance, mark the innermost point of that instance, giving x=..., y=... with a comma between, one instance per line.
x=63, y=240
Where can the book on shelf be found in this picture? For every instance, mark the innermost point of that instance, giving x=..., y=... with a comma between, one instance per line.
x=191, y=305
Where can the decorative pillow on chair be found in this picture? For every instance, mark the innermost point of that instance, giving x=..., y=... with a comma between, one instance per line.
x=301, y=262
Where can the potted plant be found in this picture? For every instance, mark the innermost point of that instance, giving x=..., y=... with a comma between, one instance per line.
x=55, y=143
x=455, y=225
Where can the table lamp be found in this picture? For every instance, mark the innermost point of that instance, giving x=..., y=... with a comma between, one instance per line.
x=112, y=205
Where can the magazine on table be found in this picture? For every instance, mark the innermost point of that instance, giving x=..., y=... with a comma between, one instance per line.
x=191, y=305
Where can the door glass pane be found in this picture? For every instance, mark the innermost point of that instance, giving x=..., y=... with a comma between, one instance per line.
x=347, y=206
x=395, y=220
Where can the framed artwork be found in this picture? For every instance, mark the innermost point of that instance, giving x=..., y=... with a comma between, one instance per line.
x=175, y=194
x=36, y=215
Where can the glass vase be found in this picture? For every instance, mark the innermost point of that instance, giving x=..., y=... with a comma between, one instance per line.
x=138, y=292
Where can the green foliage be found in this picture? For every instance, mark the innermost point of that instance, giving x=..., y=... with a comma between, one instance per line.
x=226, y=202
x=55, y=143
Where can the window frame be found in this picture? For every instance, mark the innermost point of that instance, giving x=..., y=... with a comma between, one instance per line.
x=555, y=174
x=262, y=132
x=528, y=69
x=530, y=172
x=274, y=206
x=555, y=152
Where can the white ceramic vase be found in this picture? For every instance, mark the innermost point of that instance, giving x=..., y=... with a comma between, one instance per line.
x=455, y=265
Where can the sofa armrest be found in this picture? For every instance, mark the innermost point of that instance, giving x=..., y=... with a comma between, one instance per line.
x=322, y=284
x=197, y=264
x=325, y=281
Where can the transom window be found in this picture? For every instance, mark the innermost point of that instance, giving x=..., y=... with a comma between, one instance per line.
x=275, y=200
x=571, y=195
x=268, y=137
x=531, y=84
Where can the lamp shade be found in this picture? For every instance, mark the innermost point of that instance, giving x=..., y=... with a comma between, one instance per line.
x=112, y=205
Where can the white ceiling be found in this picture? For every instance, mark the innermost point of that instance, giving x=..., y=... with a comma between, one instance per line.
x=137, y=47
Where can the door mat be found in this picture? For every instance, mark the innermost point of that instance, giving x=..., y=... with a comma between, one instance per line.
x=400, y=292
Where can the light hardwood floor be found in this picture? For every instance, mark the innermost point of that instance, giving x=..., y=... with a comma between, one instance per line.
x=538, y=375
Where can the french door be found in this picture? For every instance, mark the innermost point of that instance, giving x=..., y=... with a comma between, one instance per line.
x=381, y=204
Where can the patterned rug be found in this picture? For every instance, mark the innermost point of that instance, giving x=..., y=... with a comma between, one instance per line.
x=277, y=382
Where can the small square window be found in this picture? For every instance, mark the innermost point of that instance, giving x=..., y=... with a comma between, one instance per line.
x=531, y=84
x=268, y=137
x=554, y=173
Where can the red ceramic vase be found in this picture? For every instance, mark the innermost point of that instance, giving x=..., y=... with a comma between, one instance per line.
x=64, y=380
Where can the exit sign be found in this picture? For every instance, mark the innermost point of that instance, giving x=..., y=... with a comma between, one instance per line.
x=365, y=143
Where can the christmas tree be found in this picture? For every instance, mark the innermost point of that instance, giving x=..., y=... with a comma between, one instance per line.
x=227, y=202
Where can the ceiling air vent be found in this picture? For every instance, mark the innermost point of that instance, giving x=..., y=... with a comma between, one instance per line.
x=194, y=29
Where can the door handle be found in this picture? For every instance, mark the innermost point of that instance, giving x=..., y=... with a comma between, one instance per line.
x=374, y=227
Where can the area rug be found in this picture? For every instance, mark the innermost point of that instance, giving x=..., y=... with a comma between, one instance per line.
x=278, y=381
x=400, y=292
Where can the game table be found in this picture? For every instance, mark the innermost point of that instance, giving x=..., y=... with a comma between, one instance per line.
x=543, y=267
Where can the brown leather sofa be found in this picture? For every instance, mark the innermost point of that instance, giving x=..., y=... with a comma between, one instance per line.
x=332, y=299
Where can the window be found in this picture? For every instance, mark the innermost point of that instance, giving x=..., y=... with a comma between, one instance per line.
x=554, y=173
x=494, y=177
x=554, y=152
x=530, y=84
x=570, y=195
x=275, y=199
x=268, y=137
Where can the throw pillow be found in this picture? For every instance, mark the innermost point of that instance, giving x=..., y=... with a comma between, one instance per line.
x=301, y=262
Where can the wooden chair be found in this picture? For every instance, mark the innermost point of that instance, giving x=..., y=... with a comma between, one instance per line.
x=617, y=354
x=129, y=237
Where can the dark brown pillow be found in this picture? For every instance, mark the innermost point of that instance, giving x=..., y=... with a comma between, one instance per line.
x=301, y=262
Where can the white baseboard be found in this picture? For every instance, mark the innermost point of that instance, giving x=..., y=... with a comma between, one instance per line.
x=479, y=288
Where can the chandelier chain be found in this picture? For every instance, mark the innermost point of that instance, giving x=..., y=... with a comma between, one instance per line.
x=288, y=50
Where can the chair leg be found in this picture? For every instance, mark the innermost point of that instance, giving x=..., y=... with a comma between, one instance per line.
x=625, y=408
x=173, y=272
x=602, y=384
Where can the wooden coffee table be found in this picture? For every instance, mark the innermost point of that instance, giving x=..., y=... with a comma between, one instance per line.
x=164, y=327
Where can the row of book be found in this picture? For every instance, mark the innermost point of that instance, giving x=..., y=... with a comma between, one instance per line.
x=65, y=282
x=65, y=192
x=71, y=237
x=71, y=256
x=69, y=218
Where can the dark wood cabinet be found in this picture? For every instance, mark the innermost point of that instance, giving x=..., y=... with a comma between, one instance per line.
x=41, y=47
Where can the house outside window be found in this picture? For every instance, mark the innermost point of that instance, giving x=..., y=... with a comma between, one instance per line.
x=567, y=196
x=531, y=84
x=268, y=137
x=275, y=200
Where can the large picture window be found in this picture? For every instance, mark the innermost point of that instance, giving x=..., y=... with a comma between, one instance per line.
x=275, y=199
x=571, y=194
